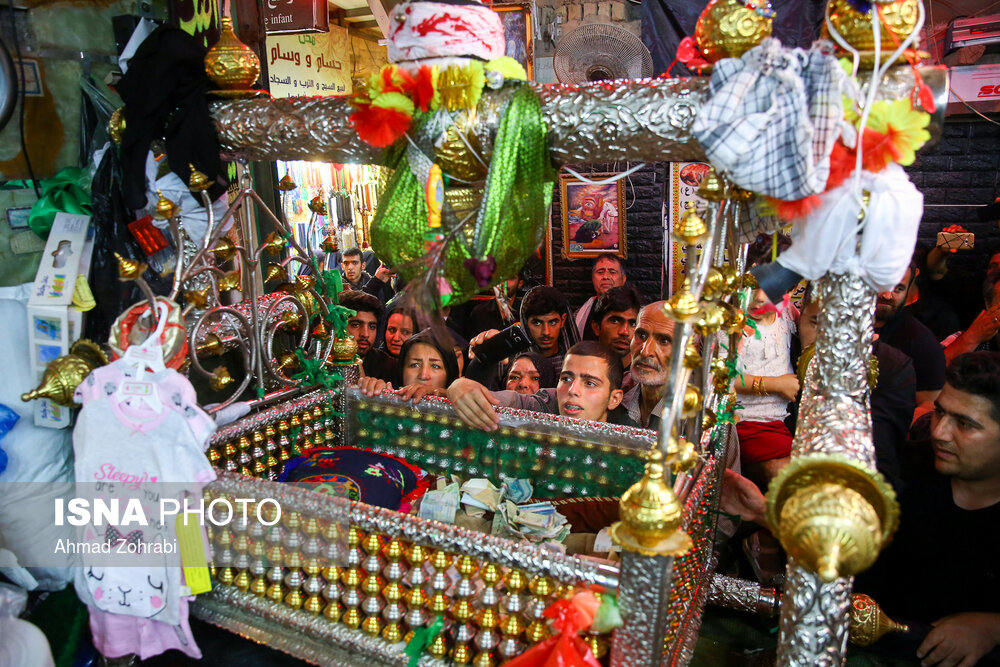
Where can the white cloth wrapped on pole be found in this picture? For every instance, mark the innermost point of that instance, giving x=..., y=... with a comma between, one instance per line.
x=826, y=239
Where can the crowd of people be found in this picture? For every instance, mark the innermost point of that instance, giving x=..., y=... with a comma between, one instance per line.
x=935, y=409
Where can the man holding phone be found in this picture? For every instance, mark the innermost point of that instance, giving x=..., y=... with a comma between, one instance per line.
x=544, y=311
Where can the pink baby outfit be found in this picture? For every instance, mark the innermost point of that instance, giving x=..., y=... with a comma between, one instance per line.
x=129, y=448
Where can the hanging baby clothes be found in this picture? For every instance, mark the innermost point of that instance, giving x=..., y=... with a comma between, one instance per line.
x=139, y=436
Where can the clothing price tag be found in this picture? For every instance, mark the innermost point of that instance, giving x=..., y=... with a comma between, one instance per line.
x=132, y=388
x=192, y=547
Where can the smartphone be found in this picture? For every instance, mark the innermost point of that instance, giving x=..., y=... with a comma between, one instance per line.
x=956, y=240
x=512, y=340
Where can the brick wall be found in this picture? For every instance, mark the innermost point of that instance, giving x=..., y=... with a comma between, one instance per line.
x=644, y=236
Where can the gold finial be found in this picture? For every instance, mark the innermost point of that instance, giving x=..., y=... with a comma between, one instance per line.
x=165, y=209
x=692, y=401
x=684, y=455
x=868, y=623
x=832, y=514
x=198, y=181
x=220, y=378
x=211, y=347
x=231, y=64
x=330, y=244
x=651, y=515
x=730, y=28
x=116, y=125
x=710, y=320
x=290, y=320
x=273, y=244
x=129, y=269
x=712, y=188
x=715, y=284
x=288, y=361
x=682, y=306
x=197, y=297
x=304, y=283
x=224, y=249
x=275, y=272
x=230, y=282
x=321, y=331
x=690, y=229
x=286, y=184
x=692, y=358
x=317, y=205
x=63, y=375
x=733, y=319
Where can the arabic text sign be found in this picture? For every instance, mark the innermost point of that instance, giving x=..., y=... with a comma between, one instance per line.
x=313, y=64
x=284, y=16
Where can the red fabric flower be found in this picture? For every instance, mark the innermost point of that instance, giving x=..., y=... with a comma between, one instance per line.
x=396, y=80
x=378, y=126
x=842, y=162
x=795, y=208
x=423, y=88
x=689, y=54
x=879, y=149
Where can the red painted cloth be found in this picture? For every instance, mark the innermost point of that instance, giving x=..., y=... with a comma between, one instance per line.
x=763, y=441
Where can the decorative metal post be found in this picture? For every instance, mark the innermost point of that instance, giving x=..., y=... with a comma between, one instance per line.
x=831, y=509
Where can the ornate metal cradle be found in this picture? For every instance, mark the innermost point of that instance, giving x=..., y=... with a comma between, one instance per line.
x=335, y=580
x=400, y=571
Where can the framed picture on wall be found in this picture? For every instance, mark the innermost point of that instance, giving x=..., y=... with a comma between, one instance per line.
x=593, y=216
x=516, y=19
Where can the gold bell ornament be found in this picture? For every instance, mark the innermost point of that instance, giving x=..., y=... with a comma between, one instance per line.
x=897, y=21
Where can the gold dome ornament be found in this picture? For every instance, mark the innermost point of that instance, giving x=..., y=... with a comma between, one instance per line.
x=690, y=229
x=692, y=402
x=230, y=282
x=899, y=18
x=730, y=28
x=165, y=209
x=832, y=514
x=321, y=331
x=290, y=321
x=275, y=272
x=197, y=297
x=682, y=306
x=286, y=184
x=232, y=65
x=63, y=375
x=651, y=515
x=212, y=347
x=273, y=244
x=711, y=319
x=330, y=244
x=129, y=269
x=712, y=187
x=304, y=283
x=317, y=205
x=345, y=349
x=198, y=181
x=224, y=249
x=220, y=378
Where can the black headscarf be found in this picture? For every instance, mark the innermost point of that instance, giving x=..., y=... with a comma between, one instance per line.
x=447, y=356
x=164, y=91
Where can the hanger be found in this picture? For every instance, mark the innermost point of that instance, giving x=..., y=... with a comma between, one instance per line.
x=143, y=357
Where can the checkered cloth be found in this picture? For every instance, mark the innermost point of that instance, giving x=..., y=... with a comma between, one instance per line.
x=772, y=119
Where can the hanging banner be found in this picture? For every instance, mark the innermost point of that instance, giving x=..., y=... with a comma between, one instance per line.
x=287, y=16
x=682, y=188
x=306, y=65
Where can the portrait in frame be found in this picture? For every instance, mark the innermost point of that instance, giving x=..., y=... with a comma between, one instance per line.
x=516, y=19
x=593, y=216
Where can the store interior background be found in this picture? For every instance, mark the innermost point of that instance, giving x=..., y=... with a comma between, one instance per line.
x=71, y=39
